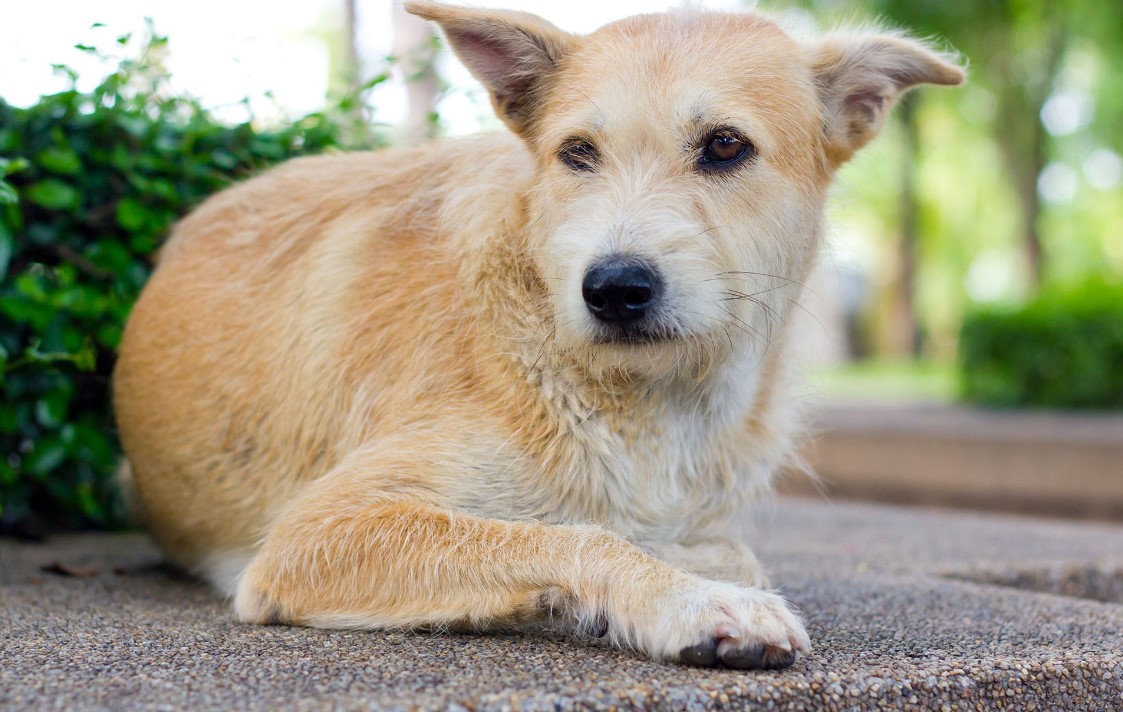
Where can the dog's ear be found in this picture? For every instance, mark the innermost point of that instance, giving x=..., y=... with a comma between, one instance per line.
x=513, y=54
x=861, y=76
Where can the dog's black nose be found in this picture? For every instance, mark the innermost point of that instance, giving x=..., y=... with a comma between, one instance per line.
x=620, y=289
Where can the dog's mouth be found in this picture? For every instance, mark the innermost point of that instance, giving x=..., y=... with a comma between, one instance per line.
x=634, y=334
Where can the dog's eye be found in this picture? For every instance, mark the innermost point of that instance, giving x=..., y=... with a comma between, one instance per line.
x=725, y=148
x=580, y=156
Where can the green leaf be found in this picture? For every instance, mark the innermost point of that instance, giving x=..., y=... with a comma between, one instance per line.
x=131, y=214
x=93, y=444
x=65, y=71
x=110, y=255
x=25, y=311
x=90, y=505
x=8, y=166
x=53, y=195
x=5, y=250
x=86, y=359
x=9, y=421
x=8, y=475
x=109, y=336
x=223, y=159
x=60, y=160
x=52, y=408
x=45, y=457
x=8, y=194
x=375, y=81
x=134, y=125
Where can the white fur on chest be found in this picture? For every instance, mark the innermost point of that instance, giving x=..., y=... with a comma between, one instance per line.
x=665, y=463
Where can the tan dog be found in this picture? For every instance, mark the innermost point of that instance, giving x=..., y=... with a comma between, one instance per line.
x=529, y=375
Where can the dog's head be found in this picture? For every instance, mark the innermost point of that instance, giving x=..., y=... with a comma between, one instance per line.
x=683, y=160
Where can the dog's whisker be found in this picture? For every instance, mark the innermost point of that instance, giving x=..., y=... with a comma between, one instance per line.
x=770, y=312
x=711, y=229
x=587, y=98
x=787, y=280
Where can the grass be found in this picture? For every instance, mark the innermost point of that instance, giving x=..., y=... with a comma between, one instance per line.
x=893, y=381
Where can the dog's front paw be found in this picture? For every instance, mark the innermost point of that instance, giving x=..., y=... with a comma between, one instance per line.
x=714, y=623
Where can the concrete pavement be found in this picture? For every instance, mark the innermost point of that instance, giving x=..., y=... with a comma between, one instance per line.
x=907, y=608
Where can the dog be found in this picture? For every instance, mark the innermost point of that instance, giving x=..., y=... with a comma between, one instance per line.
x=527, y=378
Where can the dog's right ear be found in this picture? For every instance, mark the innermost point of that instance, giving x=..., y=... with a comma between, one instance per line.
x=513, y=54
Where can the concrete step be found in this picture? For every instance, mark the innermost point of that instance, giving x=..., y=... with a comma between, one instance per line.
x=907, y=608
x=1061, y=464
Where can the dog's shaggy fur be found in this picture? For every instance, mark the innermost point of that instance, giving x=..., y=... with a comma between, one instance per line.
x=375, y=390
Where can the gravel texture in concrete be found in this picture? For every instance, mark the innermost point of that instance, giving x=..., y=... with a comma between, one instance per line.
x=907, y=608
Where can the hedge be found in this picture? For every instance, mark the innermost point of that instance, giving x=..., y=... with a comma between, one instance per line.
x=1062, y=350
x=90, y=183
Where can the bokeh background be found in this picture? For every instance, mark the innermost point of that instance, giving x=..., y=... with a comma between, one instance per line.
x=975, y=258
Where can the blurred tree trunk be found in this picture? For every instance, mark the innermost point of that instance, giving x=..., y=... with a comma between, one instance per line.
x=908, y=320
x=351, y=32
x=1022, y=138
x=352, y=64
x=414, y=49
x=353, y=93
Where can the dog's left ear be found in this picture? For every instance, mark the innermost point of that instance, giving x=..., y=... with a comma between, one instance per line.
x=514, y=54
x=860, y=77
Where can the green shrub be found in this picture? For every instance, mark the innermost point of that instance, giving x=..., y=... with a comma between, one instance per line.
x=1063, y=350
x=90, y=183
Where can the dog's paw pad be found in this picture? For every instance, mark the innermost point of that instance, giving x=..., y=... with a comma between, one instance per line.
x=701, y=655
x=717, y=653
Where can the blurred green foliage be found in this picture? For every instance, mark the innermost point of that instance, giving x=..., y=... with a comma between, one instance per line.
x=1012, y=184
x=1064, y=349
x=90, y=183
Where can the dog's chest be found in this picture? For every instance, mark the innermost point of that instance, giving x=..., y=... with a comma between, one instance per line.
x=656, y=472
x=655, y=462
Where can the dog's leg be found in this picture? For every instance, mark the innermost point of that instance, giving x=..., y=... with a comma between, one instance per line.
x=349, y=554
x=717, y=558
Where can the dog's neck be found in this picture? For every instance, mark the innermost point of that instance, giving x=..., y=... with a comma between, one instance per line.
x=715, y=395
x=668, y=456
